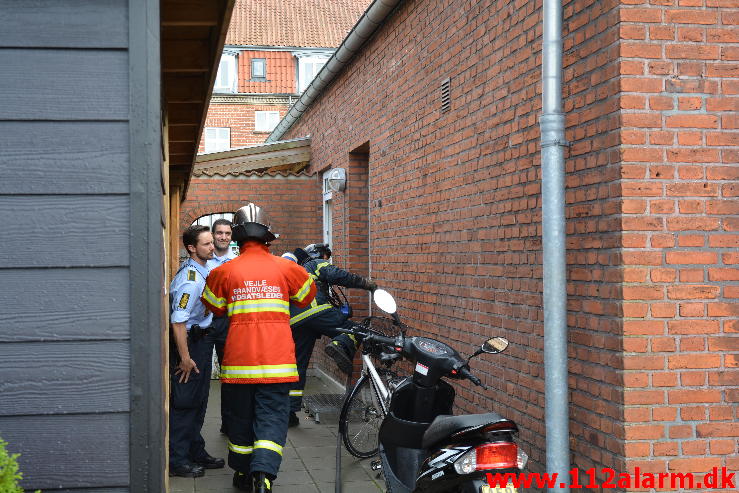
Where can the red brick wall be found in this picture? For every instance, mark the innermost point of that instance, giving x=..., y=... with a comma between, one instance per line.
x=350, y=244
x=680, y=80
x=240, y=118
x=293, y=205
x=455, y=210
x=280, y=72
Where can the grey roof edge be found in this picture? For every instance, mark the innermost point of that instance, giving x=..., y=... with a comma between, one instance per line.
x=255, y=149
x=372, y=19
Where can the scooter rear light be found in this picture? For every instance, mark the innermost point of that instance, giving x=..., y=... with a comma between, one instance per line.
x=497, y=455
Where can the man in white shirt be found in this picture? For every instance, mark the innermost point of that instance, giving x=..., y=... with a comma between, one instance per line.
x=222, y=244
x=222, y=253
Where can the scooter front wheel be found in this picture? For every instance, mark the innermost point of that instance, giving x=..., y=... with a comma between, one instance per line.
x=360, y=419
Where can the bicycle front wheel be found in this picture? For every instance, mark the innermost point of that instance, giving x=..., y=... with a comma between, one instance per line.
x=360, y=419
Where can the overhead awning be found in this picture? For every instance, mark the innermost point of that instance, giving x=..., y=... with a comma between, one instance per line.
x=285, y=156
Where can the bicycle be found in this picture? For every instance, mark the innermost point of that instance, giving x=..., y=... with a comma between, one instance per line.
x=367, y=403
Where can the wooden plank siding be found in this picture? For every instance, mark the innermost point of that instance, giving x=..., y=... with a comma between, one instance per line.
x=65, y=185
x=59, y=84
x=79, y=451
x=65, y=24
x=72, y=308
x=75, y=377
x=66, y=230
x=78, y=157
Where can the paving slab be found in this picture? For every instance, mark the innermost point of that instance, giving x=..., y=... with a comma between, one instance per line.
x=309, y=457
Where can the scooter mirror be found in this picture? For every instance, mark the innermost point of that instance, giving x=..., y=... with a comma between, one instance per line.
x=495, y=345
x=384, y=301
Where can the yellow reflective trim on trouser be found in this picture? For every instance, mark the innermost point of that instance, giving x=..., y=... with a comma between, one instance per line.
x=240, y=449
x=296, y=393
x=261, y=371
x=303, y=291
x=260, y=305
x=213, y=299
x=269, y=445
x=309, y=312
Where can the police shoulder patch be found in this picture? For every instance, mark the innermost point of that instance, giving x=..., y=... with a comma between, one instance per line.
x=183, y=301
x=190, y=275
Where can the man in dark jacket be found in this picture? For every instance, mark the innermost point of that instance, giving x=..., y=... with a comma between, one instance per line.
x=321, y=317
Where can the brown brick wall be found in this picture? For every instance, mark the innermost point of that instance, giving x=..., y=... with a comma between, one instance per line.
x=679, y=82
x=455, y=210
x=293, y=205
x=350, y=246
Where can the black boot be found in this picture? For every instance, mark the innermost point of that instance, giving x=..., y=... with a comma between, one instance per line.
x=242, y=482
x=293, y=420
x=342, y=356
x=262, y=483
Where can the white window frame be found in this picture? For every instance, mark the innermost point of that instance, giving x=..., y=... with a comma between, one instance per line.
x=328, y=216
x=266, y=121
x=309, y=64
x=264, y=69
x=308, y=68
x=227, y=78
x=217, y=139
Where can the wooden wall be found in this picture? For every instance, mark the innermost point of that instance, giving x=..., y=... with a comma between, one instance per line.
x=65, y=318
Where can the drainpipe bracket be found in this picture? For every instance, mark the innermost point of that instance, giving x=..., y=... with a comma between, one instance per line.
x=556, y=142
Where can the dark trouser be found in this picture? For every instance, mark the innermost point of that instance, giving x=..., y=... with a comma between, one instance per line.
x=218, y=334
x=188, y=402
x=305, y=334
x=257, y=425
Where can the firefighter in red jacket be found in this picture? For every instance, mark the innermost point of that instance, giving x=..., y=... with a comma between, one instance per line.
x=255, y=290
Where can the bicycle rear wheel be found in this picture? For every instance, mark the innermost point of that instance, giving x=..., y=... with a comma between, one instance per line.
x=360, y=419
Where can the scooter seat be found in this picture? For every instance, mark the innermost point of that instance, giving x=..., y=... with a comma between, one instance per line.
x=444, y=426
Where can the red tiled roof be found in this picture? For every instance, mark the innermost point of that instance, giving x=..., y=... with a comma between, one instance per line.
x=298, y=23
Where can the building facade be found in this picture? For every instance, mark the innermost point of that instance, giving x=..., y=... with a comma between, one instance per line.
x=273, y=50
x=435, y=119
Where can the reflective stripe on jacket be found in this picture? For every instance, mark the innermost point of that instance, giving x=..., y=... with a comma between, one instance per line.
x=255, y=290
x=325, y=275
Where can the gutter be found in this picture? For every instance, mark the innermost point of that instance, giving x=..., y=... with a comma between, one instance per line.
x=365, y=27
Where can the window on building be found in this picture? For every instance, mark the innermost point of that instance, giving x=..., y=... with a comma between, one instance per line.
x=217, y=139
x=258, y=69
x=227, y=77
x=308, y=68
x=327, y=211
x=266, y=121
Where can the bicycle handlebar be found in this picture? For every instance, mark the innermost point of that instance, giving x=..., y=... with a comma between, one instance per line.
x=369, y=336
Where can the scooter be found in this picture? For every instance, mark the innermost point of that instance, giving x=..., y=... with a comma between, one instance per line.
x=422, y=446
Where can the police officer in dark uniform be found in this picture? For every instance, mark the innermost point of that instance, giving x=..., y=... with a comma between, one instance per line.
x=321, y=317
x=191, y=358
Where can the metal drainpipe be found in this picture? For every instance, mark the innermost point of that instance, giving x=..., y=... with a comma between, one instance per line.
x=553, y=236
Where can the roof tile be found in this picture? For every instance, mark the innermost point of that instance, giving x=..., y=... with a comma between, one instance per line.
x=293, y=23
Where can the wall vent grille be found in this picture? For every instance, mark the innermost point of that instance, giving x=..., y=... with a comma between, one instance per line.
x=446, y=101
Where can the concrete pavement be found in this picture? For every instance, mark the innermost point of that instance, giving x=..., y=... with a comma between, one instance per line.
x=309, y=458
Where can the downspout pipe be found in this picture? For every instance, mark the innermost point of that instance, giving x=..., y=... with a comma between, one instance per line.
x=372, y=18
x=552, y=123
